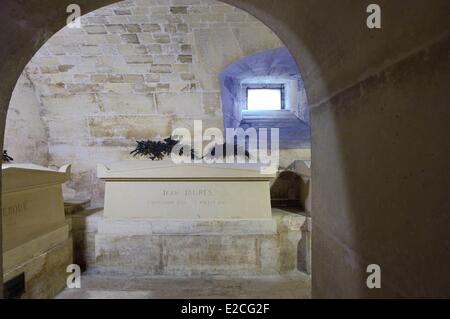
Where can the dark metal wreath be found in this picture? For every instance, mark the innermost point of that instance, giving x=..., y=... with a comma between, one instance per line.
x=157, y=150
x=6, y=157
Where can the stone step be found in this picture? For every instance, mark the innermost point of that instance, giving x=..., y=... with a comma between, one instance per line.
x=279, y=115
x=280, y=125
x=294, y=133
x=291, y=117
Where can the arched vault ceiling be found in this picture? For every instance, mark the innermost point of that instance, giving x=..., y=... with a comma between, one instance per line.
x=333, y=50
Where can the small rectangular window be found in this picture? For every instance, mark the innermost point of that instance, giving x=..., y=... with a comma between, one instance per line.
x=265, y=98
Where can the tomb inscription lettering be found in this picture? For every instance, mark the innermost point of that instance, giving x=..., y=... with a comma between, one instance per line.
x=189, y=196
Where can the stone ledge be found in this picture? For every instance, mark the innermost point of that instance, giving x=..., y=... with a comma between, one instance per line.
x=187, y=255
x=216, y=227
x=199, y=247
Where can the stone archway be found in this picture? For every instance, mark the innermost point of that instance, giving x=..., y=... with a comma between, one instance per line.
x=357, y=81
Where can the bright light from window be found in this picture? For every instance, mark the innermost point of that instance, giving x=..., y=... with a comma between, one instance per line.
x=264, y=99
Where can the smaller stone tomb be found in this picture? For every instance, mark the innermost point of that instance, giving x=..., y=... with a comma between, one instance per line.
x=36, y=240
x=164, y=190
x=32, y=202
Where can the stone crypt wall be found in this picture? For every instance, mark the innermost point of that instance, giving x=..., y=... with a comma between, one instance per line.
x=135, y=70
x=27, y=137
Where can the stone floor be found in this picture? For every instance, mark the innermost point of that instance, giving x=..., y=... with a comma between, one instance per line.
x=95, y=286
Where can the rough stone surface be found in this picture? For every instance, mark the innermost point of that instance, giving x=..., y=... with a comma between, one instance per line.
x=84, y=229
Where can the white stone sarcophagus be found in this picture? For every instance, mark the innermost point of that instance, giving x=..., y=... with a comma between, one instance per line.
x=164, y=190
x=34, y=227
x=161, y=218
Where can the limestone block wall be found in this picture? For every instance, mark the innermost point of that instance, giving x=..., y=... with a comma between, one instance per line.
x=136, y=70
x=27, y=137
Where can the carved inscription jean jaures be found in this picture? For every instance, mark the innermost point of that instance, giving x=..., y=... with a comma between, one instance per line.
x=12, y=212
x=204, y=197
